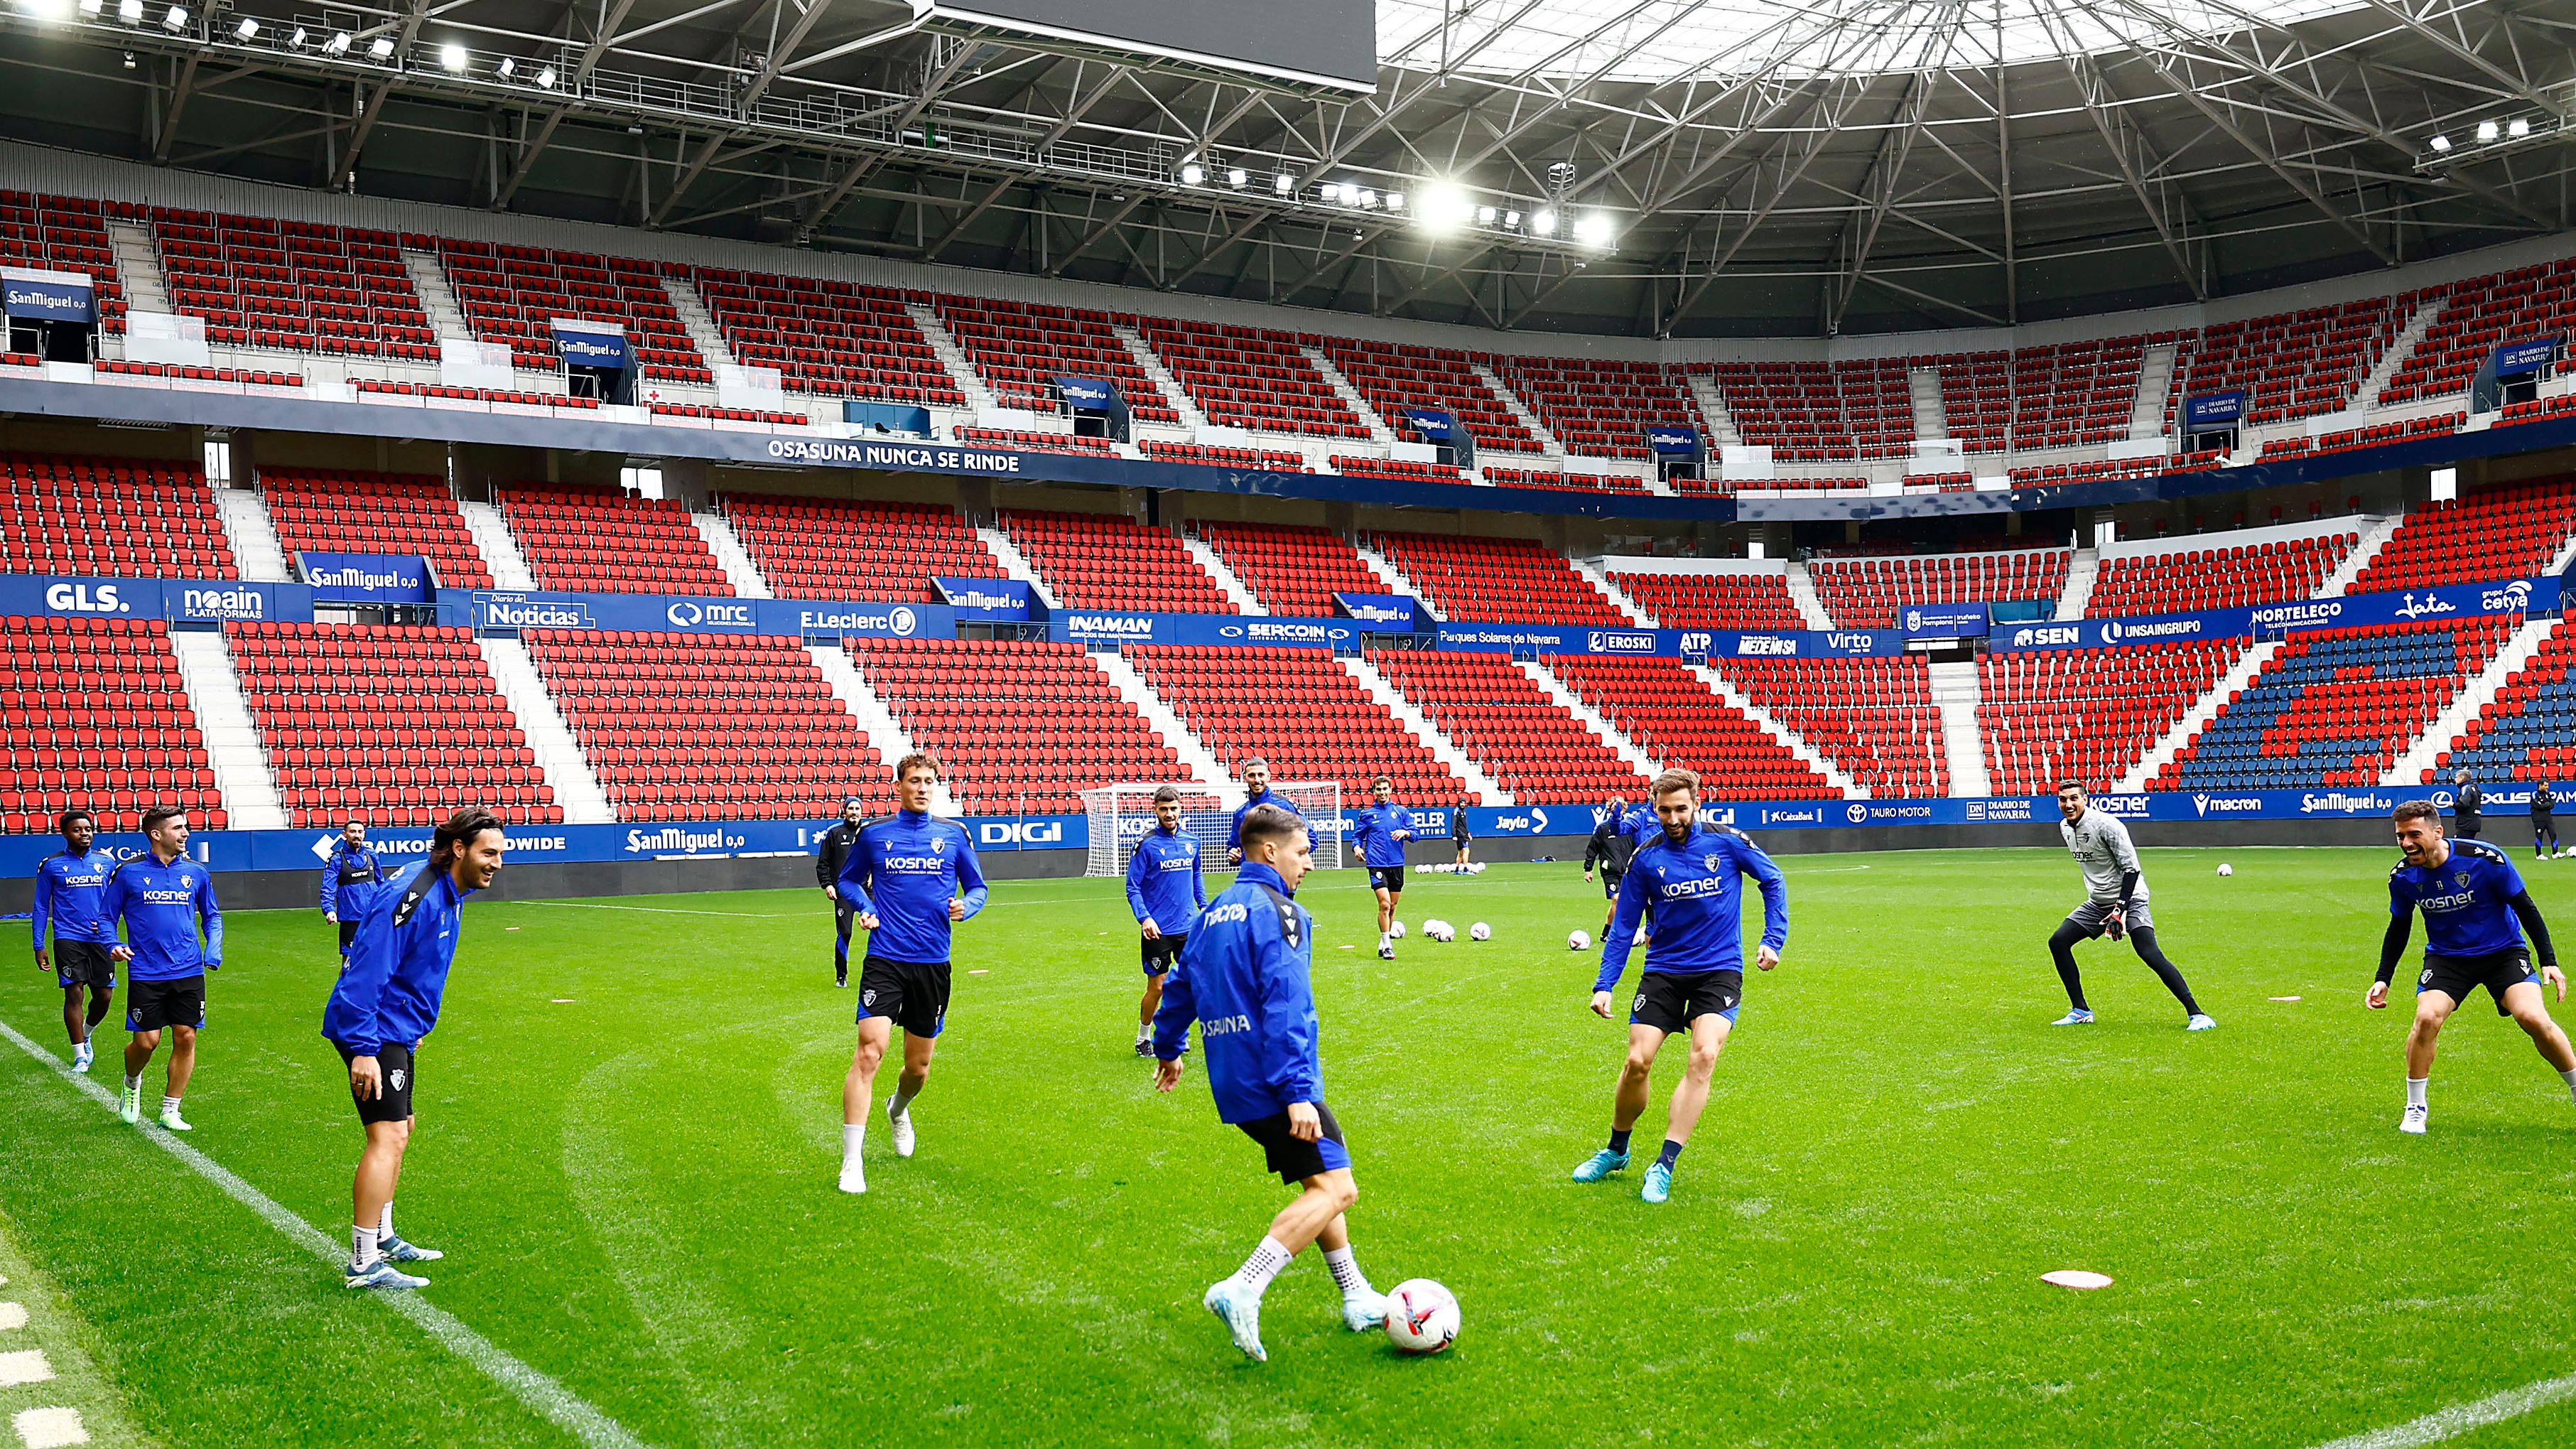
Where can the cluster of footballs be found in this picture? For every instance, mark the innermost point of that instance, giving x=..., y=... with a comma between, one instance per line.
x=1440, y=930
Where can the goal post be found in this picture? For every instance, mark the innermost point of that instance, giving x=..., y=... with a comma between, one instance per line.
x=1120, y=815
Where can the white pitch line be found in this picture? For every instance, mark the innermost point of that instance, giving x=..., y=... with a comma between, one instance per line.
x=575, y=1415
x=2459, y=1419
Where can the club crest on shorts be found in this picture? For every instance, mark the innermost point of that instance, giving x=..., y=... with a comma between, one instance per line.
x=868, y=997
x=396, y=1078
x=2426, y=979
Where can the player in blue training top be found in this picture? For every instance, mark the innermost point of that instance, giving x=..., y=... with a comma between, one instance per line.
x=903, y=878
x=1256, y=791
x=386, y=1000
x=1694, y=976
x=165, y=900
x=1246, y=981
x=1166, y=891
x=350, y=880
x=71, y=896
x=2475, y=912
x=1383, y=829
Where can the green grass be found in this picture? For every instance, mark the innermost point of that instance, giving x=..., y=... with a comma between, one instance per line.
x=635, y=1186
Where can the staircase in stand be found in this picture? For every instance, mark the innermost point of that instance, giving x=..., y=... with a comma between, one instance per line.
x=233, y=752
x=1444, y=749
x=1956, y=692
x=567, y=770
x=256, y=551
x=736, y=560
x=886, y=734
x=2155, y=388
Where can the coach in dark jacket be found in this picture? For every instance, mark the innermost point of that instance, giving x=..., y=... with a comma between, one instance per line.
x=832, y=853
x=2466, y=810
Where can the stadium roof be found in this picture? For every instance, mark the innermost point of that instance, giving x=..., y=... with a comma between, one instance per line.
x=1632, y=167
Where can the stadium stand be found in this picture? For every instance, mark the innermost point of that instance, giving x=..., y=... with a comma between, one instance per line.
x=1247, y=377
x=1291, y=570
x=1674, y=716
x=1267, y=459
x=510, y=294
x=2291, y=365
x=769, y=416
x=1820, y=412
x=376, y=723
x=2190, y=580
x=1872, y=716
x=1020, y=348
x=1577, y=482
x=94, y=714
x=2476, y=316
x=1602, y=409
x=2057, y=396
x=1496, y=578
x=2503, y=531
x=605, y=540
x=2535, y=409
x=394, y=513
x=298, y=285
x=190, y=372
x=1872, y=593
x=69, y=234
x=1510, y=727
x=2528, y=731
x=2095, y=470
x=1101, y=561
x=1018, y=725
x=2337, y=706
x=2053, y=715
x=707, y=726
x=1714, y=601
x=839, y=339
x=1373, y=467
x=825, y=548
x=1037, y=442
x=444, y=392
x=129, y=516
x=1299, y=710
x=1394, y=377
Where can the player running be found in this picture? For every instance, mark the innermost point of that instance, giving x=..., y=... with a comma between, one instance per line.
x=1611, y=848
x=830, y=854
x=385, y=1002
x=165, y=899
x=71, y=889
x=1256, y=792
x=1694, y=975
x=1246, y=980
x=2476, y=910
x=903, y=879
x=1163, y=885
x=350, y=880
x=1383, y=829
x=2115, y=903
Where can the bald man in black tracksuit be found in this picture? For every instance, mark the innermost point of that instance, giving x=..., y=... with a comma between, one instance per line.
x=831, y=854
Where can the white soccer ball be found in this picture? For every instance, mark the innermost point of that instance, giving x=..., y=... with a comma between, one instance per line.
x=1421, y=1316
x=1439, y=930
x=1480, y=932
x=2225, y=869
x=1396, y=930
x=1578, y=940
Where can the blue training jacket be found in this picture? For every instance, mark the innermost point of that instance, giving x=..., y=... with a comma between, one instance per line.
x=2466, y=903
x=71, y=893
x=163, y=907
x=1375, y=834
x=1244, y=979
x=350, y=880
x=1234, y=834
x=396, y=975
x=1164, y=885
x=1697, y=895
x=903, y=870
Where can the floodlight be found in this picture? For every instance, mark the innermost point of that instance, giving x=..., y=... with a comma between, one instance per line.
x=1592, y=229
x=1192, y=173
x=546, y=78
x=2517, y=128
x=1395, y=201
x=1444, y=206
x=246, y=29
x=1236, y=176
x=1543, y=221
x=508, y=67
x=130, y=11
x=2489, y=130
x=1368, y=198
x=1283, y=183
x=299, y=37
x=89, y=9
x=1512, y=219
x=381, y=47
x=1485, y=216
x=2441, y=143
x=177, y=19
x=452, y=56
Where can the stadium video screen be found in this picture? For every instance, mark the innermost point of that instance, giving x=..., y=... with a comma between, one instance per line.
x=1328, y=40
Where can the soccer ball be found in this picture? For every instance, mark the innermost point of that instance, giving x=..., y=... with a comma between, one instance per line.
x=2225, y=869
x=1421, y=1316
x=1396, y=930
x=1578, y=940
x=1480, y=932
x=1439, y=930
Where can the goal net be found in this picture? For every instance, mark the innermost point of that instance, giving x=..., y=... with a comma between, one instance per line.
x=1121, y=814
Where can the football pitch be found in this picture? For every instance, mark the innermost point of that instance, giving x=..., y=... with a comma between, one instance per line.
x=629, y=1135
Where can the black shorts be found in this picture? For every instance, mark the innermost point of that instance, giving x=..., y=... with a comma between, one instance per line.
x=911, y=994
x=1162, y=951
x=1387, y=878
x=1671, y=1003
x=1293, y=1160
x=348, y=933
x=152, y=1005
x=84, y=963
x=399, y=1066
x=2457, y=976
x=1610, y=882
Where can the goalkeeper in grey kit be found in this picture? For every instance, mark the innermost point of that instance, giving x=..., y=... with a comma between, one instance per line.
x=2115, y=904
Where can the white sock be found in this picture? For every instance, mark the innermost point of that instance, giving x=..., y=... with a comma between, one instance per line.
x=2569, y=1077
x=2415, y=1090
x=1346, y=1272
x=902, y=1102
x=1263, y=1265
x=385, y=1223
x=362, y=1247
x=169, y=1106
x=852, y=1134
x=1144, y=1032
